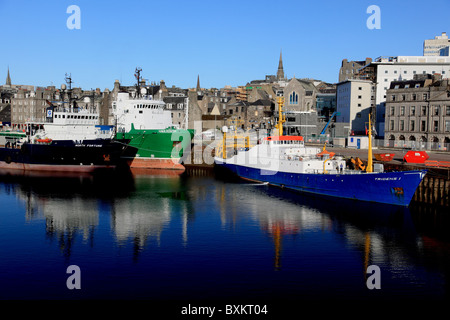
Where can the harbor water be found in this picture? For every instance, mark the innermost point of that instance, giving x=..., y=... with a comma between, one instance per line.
x=193, y=239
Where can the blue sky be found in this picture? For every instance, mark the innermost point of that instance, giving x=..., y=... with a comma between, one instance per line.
x=225, y=42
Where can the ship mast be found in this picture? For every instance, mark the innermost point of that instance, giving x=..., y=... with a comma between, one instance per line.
x=68, y=79
x=369, y=160
x=281, y=118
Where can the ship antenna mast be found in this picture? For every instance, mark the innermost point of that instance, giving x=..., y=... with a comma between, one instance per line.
x=69, y=82
x=138, y=80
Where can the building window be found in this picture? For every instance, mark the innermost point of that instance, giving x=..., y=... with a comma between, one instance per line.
x=423, y=126
x=447, y=109
x=424, y=110
x=402, y=125
x=402, y=110
x=392, y=125
x=414, y=97
x=413, y=110
x=436, y=126
x=293, y=98
x=412, y=126
x=447, y=125
x=393, y=97
x=392, y=111
x=436, y=110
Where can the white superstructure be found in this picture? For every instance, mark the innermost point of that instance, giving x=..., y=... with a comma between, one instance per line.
x=70, y=124
x=142, y=112
x=285, y=154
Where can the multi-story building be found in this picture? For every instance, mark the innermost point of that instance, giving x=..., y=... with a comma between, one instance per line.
x=350, y=69
x=29, y=105
x=354, y=103
x=384, y=70
x=176, y=104
x=418, y=113
x=432, y=47
x=260, y=114
x=5, y=107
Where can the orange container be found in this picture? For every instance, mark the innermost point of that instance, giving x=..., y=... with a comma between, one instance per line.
x=416, y=156
x=384, y=156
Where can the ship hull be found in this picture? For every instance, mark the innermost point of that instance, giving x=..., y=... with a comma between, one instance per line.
x=394, y=188
x=66, y=156
x=157, y=149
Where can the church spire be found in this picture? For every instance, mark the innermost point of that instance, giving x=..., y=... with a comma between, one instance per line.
x=280, y=72
x=8, y=79
x=198, y=83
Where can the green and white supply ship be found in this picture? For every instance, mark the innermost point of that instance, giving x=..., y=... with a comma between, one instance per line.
x=143, y=120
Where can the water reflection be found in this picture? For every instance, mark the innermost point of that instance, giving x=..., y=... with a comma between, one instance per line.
x=140, y=204
x=140, y=210
x=281, y=214
x=144, y=214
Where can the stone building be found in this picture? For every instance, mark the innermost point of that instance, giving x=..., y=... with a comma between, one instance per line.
x=6, y=94
x=299, y=106
x=195, y=112
x=260, y=114
x=250, y=115
x=207, y=99
x=177, y=105
x=432, y=47
x=236, y=114
x=383, y=70
x=418, y=113
x=350, y=69
x=30, y=105
x=5, y=107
